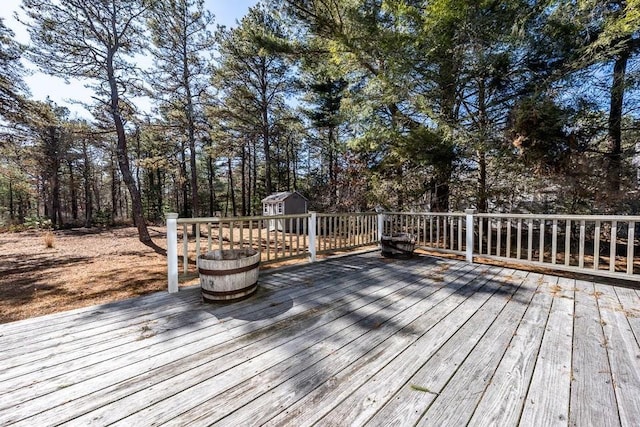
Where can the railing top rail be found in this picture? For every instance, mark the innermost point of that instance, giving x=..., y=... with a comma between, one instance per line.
x=346, y=214
x=561, y=217
x=237, y=218
x=461, y=214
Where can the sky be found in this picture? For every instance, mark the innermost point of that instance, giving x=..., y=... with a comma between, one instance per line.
x=227, y=12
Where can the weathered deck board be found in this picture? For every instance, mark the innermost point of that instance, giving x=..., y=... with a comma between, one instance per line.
x=351, y=341
x=553, y=366
x=624, y=355
x=335, y=340
x=354, y=363
x=96, y=360
x=593, y=400
x=456, y=402
x=503, y=399
x=189, y=360
x=358, y=405
x=424, y=386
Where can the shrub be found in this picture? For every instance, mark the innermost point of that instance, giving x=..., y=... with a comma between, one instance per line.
x=49, y=239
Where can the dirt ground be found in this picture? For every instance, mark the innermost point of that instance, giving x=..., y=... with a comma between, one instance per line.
x=84, y=267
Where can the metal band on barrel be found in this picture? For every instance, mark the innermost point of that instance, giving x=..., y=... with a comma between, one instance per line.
x=227, y=293
x=227, y=272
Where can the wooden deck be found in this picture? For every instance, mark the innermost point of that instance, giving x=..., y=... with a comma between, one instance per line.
x=350, y=341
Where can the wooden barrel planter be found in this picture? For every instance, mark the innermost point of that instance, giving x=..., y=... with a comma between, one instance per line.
x=228, y=275
x=399, y=245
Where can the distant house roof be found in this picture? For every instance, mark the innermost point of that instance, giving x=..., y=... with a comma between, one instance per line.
x=281, y=197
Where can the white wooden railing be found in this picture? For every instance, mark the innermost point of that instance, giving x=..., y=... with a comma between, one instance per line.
x=277, y=238
x=596, y=245
x=590, y=244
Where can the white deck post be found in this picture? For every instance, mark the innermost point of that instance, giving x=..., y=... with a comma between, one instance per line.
x=469, y=249
x=172, y=251
x=380, y=227
x=312, y=236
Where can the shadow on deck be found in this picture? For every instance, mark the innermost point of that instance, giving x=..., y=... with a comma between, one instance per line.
x=350, y=341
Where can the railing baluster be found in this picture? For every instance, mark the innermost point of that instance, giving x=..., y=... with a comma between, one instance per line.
x=290, y=236
x=451, y=233
x=581, y=244
x=305, y=230
x=197, y=243
x=185, y=249
x=489, y=236
x=460, y=233
x=250, y=234
x=480, y=236
x=298, y=236
x=508, y=246
x=567, y=242
x=596, y=246
x=444, y=232
x=612, y=249
x=630, y=246
x=431, y=231
x=208, y=237
x=541, y=250
x=529, y=239
x=554, y=241
x=268, y=223
x=499, y=237
x=519, y=239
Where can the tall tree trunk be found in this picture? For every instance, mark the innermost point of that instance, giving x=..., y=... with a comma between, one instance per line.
x=243, y=181
x=195, y=203
x=254, y=165
x=123, y=158
x=333, y=173
x=86, y=178
x=12, y=215
x=266, y=129
x=231, y=192
x=249, y=180
x=114, y=188
x=211, y=182
x=483, y=204
x=159, y=194
x=186, y=211
x=74, y=193
x=482, y=181
x=614, y=173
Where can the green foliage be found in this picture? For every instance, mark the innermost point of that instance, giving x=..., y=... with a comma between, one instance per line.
x=12, y=86
x=539, y=133
x=35, y=222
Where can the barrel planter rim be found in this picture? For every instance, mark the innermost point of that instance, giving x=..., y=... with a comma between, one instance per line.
x=228, y=275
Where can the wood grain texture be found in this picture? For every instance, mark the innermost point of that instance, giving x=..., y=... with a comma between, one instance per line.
x=350, y=341
x=367, y=388
x=593, y=400
x=502, y=401
x=553, y=365
x=456, y=402
x=189, y=363
x=624, y=354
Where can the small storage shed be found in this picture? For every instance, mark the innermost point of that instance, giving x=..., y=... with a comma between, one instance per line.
x=284, y=203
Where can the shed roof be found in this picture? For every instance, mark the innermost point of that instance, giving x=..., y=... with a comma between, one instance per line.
x=281, y=197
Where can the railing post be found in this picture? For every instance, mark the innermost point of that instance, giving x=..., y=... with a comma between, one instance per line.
x=380, y=226
x=469, y=252
x=172, y=251
x=312, y=236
